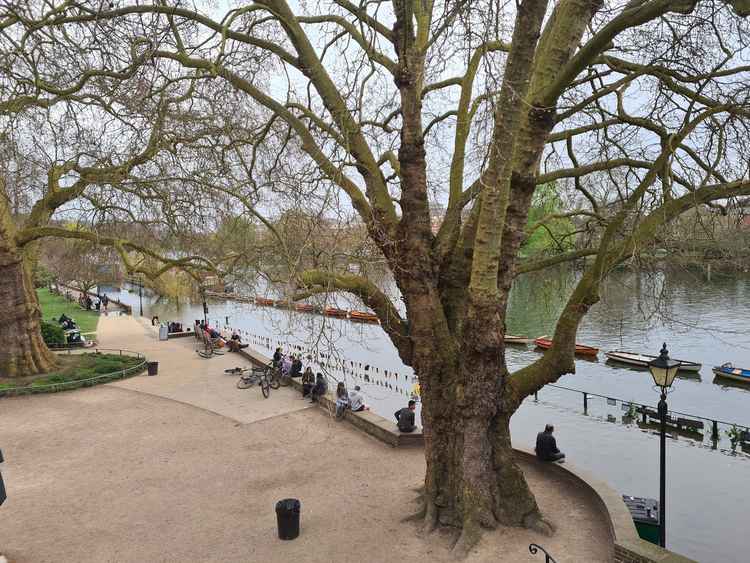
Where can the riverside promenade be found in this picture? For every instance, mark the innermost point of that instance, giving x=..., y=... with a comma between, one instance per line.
x=185, y=467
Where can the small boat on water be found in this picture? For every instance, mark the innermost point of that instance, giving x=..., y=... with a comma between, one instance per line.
x=728, y=371
x=263, y=301
x=642, y=360
x=545, y=342
x=305, y=307
x=362, y=317
x=334, y=312
x=510, y=339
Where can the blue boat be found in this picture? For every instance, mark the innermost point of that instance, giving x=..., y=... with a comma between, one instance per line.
x=728, y=371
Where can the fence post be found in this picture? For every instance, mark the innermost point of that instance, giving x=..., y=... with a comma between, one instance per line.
x=714, y=430
x=585, y=403
x=536, y=397
x=643, y=411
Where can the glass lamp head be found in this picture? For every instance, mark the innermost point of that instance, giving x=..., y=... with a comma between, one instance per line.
x=663, y=369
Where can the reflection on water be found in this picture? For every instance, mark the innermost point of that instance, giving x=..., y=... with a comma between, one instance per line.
x=700, y=321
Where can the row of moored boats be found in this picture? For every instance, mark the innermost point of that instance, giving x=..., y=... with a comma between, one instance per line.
x=356, y=316
x=726, y=370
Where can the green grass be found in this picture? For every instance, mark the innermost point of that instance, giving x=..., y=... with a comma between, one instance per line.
x=75, y=368
x=55, y=305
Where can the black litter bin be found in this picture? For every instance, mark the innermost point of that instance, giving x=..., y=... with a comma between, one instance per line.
x=287, y=517
x=153, y=367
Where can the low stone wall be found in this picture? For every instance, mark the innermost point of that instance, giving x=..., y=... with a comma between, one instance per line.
x=629, y=547
x=371, y=423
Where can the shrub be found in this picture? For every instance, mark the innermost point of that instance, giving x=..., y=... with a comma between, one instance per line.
x=53, y=334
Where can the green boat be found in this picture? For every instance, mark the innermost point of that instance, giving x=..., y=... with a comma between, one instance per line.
x=645, y=513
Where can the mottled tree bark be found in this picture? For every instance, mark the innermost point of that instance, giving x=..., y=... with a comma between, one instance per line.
x=23, y=351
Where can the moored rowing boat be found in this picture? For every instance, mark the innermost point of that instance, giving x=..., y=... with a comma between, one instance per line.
x=728, y=371
x=362, y=317
x=510, y=339
x=334, y=312
x=545, y=342
x=642, y=360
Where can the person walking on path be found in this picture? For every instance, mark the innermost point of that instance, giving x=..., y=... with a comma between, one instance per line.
x=546, y=446
x=405, y=418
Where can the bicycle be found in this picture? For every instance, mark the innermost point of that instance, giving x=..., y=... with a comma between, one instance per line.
x=253, y=376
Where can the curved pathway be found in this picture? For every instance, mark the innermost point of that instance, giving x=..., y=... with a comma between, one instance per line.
x=133, y=471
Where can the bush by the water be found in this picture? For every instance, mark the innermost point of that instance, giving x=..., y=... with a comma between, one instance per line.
x=74, y=370
x=53, y=334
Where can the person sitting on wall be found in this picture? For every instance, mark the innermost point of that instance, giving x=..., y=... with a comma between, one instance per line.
x=356, y=400
x=308, y=382
x=277, y=358
x=546, y=446
x=342, y=400
x=405, y=418
x=286, y=365
x=235, y=342
x=296, y=370
x=320, y=389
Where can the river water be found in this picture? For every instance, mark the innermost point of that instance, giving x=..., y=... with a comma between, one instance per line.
x=700, y=320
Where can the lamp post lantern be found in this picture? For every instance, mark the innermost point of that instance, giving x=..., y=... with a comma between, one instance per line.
x=663, y=370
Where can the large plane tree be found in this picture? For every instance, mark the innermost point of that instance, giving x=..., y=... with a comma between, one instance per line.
x=101, y=146
x=639, y=108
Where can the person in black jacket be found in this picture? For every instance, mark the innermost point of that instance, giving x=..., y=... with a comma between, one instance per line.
x=405, y=418
x=277, y=358
x=546, y=445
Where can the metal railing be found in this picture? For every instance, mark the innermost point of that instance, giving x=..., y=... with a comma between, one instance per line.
x=645, y=412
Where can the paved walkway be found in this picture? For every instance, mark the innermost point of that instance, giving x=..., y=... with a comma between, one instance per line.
x=134, y=472
x=187, y=377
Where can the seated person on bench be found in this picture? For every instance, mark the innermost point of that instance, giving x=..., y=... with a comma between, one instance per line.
x=546, y=445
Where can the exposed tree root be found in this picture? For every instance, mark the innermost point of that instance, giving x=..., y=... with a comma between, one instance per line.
x=417, y=516
x=534, y=521
x=430, y=517
x=469, y=538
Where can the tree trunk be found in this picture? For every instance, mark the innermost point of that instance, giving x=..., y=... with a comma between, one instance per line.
x=472, y=480
x=23, y=351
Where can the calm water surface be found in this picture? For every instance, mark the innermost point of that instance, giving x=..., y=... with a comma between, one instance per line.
x=703, y=321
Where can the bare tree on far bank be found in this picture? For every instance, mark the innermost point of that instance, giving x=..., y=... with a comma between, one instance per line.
x=640, y=108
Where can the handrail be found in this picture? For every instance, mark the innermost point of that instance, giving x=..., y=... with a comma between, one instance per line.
x=588, y=393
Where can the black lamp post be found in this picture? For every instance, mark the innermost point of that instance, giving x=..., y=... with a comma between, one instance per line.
x=663, y=370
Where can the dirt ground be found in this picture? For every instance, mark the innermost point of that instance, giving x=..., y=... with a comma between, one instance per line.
x=112, y=475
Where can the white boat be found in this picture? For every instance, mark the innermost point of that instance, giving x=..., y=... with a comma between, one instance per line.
x=642, y=360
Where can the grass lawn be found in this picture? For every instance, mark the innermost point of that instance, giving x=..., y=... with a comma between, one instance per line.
x=55, y=305
x=71, y=368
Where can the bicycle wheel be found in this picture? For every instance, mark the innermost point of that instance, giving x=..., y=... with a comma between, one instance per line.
x=244, y=383
x=265, y=386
